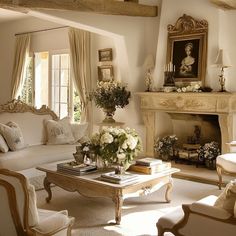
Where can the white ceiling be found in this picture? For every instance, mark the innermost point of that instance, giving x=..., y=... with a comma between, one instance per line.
x=7, y=15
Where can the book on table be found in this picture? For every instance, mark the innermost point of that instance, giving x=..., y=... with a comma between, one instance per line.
x=151, y=169
x=148, y=161
x=75, y=169
x=119, y=178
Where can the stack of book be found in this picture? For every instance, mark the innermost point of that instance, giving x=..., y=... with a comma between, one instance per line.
x=150, y=165
x=75, y=169
x=112, y=177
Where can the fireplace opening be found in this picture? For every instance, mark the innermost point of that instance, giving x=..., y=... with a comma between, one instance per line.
x=193, y=132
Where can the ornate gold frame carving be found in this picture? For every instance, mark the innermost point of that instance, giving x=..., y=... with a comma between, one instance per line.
x=191, y=33
x=17, y=106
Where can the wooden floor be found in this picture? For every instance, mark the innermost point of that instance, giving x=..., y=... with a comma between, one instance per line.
x=199, y=174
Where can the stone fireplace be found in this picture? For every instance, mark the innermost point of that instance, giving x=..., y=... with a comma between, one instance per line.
x=214, y=107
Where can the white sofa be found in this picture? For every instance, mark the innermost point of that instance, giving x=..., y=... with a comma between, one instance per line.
x=31, y=122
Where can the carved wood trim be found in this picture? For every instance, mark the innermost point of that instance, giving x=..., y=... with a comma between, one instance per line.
x=187, y=25
x=17, y=106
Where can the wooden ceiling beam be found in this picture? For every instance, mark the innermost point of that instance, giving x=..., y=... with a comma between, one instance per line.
x=108, y=7
x=225, y=4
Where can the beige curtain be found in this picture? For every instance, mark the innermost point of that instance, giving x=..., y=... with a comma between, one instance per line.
x=81, y=69
x=21, y=52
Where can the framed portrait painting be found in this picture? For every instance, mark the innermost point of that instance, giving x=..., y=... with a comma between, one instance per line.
x=187, y=50
x=105, y=73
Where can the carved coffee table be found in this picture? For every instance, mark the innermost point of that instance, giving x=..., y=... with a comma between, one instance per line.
x=90, y=185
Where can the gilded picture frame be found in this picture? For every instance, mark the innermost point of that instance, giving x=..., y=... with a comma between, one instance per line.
x=105, y=73
x=105, y=54
x=187, y=50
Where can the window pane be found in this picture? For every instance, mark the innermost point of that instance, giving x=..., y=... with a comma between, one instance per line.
x=65, y=77
x=64, y=61
x=64, y=94
x=55, y=62
x=64, y=110
x=56, y=108
x=55, y=78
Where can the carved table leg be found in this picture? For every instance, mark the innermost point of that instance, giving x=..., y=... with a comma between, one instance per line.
x=169, y=190
x=118, y=200
x=47, y=187
x=219, y=172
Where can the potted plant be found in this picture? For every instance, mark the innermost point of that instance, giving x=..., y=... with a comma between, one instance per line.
x=208, y=154
x=116, y=146
x=165, y=146
x=110, y=95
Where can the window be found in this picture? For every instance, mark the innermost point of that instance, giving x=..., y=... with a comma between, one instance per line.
x=48, y=82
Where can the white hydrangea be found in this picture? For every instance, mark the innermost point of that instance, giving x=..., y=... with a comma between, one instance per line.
x=131, y=141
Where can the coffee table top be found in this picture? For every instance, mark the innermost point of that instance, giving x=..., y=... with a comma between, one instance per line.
x=51, y=168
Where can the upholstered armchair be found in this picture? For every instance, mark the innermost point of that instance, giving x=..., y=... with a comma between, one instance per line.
x=209, y=216
x=19, y=213
x=226, y=163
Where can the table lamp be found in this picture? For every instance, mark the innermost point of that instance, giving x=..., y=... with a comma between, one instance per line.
x=149, y=65
x=222, y=61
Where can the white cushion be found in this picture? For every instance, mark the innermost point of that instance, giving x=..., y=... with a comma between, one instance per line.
x=33, y=211
x=227, y=161
x=79, y=130
x=3, y=145
x=13, y=135
x=170, y=219
x=50, y=221
x=36, y=155
x=227, y=198
x=59, y=132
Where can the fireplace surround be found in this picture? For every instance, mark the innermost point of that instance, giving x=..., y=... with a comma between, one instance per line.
x=222, y=105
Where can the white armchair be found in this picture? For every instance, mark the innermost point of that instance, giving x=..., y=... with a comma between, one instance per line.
x=226, y=163
x=19, y=213
x=199, y=218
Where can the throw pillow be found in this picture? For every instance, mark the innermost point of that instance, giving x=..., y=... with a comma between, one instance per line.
x=3, y=145
x=227, y=198
x=13, y=135
x=79, y=130
x=59, y=132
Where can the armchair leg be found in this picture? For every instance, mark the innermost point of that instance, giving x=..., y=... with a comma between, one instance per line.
x=219, y=172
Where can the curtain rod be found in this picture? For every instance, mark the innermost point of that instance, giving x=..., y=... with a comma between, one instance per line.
x=36, y=31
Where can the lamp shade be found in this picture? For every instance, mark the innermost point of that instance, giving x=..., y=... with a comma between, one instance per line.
x=222, y=59
x=149, y=62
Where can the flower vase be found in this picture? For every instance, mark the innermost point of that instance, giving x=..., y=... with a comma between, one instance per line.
x=109, y=115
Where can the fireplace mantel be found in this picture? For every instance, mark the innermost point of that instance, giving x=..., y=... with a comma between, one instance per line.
x=214, y=103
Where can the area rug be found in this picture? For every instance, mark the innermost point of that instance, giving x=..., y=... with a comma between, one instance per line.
x=95, y=216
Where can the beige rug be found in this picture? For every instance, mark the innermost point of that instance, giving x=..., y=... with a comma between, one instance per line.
x=94, y=216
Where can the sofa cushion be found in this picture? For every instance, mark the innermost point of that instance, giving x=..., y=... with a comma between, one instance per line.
x=3, y=145
x=36, y=155
x=59, y=132
x=79, y=130
x=13, y=135
x=227, y=198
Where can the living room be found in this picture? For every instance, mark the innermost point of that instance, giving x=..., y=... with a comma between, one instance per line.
x=132, y=39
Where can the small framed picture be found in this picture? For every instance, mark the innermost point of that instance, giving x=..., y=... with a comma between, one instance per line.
x=105, y=54
x=105, y=73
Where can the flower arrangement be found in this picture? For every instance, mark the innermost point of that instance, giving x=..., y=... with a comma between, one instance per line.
x=165, y=145
x=111, y=94
x=190, y=88
x=115, y=145
x=209, y=151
